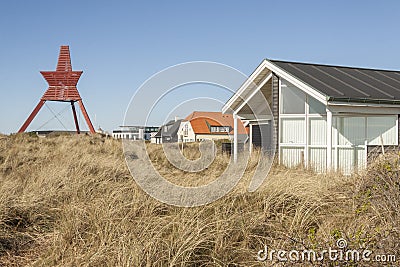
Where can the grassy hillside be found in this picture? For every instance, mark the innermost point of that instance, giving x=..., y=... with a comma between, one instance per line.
x=70, y=201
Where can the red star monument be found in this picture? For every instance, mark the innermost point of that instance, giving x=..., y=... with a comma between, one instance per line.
x=62, y=88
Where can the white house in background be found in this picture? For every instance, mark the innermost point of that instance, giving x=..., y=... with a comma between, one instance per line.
x=207, y=125
x=325, y=117
x=186, y=133
x=134, y=132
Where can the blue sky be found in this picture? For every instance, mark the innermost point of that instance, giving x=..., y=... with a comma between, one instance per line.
x=120, y=44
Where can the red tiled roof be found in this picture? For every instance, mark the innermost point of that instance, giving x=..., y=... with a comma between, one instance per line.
x=201, y=120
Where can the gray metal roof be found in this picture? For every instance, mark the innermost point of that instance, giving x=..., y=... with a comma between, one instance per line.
x=172, y=128
x=348, y=84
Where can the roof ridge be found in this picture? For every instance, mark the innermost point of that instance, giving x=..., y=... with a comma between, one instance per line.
x=328, y=65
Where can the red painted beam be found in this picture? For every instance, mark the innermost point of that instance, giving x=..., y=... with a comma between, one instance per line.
x=32, y=116
x=86, y=116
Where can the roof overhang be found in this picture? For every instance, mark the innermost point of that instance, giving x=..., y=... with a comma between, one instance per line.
x=265, y=71
x=238, y=98
x=267, y=67
x=363, y=108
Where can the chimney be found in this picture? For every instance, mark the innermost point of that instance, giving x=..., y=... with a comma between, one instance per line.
x=176, y=118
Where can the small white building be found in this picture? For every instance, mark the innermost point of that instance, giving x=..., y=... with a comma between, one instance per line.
x=134, y=132
x=325, y=117
x=186, y=133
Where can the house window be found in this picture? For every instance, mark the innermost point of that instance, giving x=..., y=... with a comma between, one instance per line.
x=382, y=130
x=186, y=130
x=293, y=100
x=315, y=107
x=351, y=130
x=219, y=129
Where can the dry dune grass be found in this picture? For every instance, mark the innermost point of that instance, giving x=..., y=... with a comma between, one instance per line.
x=181, y=177
x=70, y=201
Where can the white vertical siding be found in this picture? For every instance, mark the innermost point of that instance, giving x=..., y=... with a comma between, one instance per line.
x=292, y=130
x=346, y=159
x=334, y=158
x=291, y=156
x=317, y=131
x=361, y=158
x=351, y=159
x=317, y=158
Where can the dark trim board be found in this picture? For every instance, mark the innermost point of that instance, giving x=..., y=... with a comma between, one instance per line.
x=275, y=109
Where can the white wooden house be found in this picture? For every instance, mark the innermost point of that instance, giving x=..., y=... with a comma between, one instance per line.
x=325, y=117
x=186, y=133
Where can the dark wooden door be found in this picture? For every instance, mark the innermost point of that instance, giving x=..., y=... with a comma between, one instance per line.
x=262, y=136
